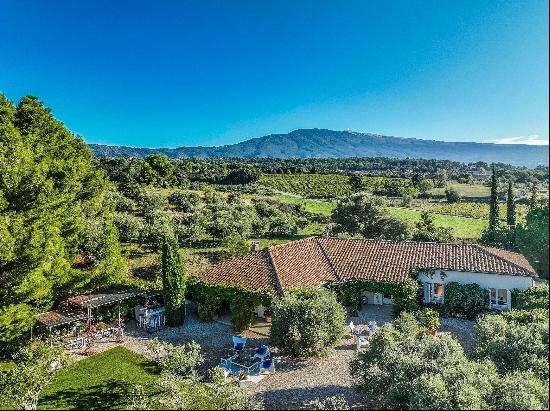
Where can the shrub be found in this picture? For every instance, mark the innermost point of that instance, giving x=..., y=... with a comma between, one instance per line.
x=406, y=369
x=431, y=318
x=514, y=342
x=242, y=310
x=520, y=391
x=452, y=195
x=532, y=298
x=465, y=300
x=234, y=246
x=307, y=323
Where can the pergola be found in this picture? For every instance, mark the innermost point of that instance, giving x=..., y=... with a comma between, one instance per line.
x=54, y=319
x=89, y=302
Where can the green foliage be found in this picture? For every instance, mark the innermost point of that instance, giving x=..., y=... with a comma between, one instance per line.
x=368, y=215
x=242, y=309
x=241, y=301
x=465, y=300
x=49, y=190
x=235, y=247
x=478, y=210
x=406, y=369
x=500, y=236
x=355, y=182
x=306, y=323
x=129, y=227
x=532, y=238
x=35, y=367
x=179, y=360
x=335, y=185
x=404, y=294
x=242, y=175
x=520, y=391
x=533, y=298
x=493, y=205
x=181, y=386
x=514, y=341
x=173, y=283
x=426, y=230
x=452, y=195
x=430, y=318
x=510, y=205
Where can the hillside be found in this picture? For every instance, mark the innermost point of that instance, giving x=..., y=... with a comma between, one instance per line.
x=307, y=143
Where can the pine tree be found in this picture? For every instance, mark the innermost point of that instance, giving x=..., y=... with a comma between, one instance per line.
x=493, y=209
x=511, y=205
x=173, y=282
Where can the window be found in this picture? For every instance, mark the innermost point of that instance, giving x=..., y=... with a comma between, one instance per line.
x=433, y=292
x=499, y=296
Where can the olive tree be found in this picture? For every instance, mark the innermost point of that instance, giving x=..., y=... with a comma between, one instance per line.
x=35, y=367
x=307, y=323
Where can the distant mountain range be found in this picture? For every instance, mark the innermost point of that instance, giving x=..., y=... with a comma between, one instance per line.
x=308, y=143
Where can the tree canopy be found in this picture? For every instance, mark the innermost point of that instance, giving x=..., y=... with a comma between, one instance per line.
x=49, y=193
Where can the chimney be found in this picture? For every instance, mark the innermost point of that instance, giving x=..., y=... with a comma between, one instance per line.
x=255, y=246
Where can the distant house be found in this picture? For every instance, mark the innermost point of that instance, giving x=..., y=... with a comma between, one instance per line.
x=318, y=260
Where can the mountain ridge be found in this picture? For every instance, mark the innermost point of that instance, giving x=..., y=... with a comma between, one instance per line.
x=318, y=143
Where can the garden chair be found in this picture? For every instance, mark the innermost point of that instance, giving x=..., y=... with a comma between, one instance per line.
x=354, y=328
x=362, y=342
x=261, y=352
x=239, y=343
x=267, y=366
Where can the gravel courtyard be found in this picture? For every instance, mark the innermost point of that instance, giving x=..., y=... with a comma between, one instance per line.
x=294, y=383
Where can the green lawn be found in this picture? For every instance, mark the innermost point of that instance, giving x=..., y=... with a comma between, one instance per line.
x=102, y=381
x=463, y=227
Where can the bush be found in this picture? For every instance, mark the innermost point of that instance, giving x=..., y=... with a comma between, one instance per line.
x=430, y=318
x=307, y=323
x=514, y=341
x=406, y=369
x=242, y=310
x=533, y=298
x=452, y=195
x=520, y=391
x=465, y=300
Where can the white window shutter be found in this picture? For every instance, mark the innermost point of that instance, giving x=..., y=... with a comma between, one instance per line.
x=426, y=288
x=508, y=299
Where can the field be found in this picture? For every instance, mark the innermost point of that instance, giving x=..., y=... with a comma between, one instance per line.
x=466, y=190
x=327, y=185
x=96, y=383
x=463, y=227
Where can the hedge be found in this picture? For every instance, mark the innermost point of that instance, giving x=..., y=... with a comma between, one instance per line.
x=242, y=301
x=405, y=295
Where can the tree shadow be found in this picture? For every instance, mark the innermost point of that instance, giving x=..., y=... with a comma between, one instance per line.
x=109, y=394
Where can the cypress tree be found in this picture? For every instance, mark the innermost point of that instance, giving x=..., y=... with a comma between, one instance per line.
x=173, y=282
x=511, y=205
x=493, y=209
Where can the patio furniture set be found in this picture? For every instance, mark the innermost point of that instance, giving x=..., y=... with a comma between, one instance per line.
x=150, y=318
x=363, y=336
x=247, y=364
x=81, y=341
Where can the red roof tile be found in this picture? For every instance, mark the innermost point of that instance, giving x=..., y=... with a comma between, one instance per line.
x=312, y=261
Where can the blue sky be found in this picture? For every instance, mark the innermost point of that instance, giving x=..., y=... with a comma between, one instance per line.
x=172, y=73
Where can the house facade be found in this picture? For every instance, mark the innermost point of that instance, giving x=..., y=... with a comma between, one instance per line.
x=317, y=260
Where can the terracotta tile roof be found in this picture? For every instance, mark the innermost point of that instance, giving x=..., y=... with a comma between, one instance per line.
x=254, y=271
x=314, y=260
x=301, y=264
